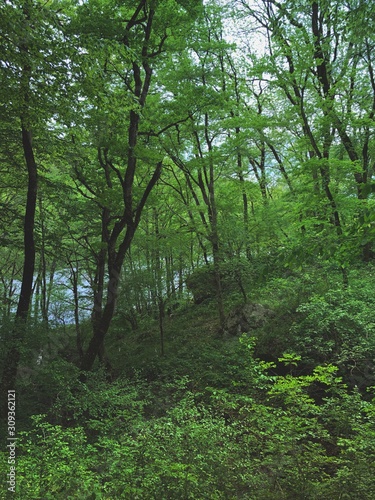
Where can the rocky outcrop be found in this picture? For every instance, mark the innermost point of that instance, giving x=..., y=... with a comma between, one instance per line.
x=247, y=317
x=235, y=277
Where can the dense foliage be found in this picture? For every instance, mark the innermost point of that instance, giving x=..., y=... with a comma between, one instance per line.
x=167, y=166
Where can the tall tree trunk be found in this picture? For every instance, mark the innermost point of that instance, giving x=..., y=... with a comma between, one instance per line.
x=214, y=237
x=12, y=359
x=115, y=262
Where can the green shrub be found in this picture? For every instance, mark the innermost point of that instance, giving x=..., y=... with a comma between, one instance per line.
x=260, y=437
x=338, y=327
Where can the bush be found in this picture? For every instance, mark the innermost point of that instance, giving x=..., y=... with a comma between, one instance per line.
x=337, y=327
x=260, y=437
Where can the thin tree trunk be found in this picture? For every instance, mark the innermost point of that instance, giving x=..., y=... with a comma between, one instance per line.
x=245, y=205
x=74, y=280
x=161, y=324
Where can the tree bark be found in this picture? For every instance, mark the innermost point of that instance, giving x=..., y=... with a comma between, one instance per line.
x=115, y=262
x=9, y=374
x=129, y=220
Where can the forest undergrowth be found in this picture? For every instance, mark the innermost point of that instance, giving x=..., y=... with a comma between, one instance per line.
x=271, y=414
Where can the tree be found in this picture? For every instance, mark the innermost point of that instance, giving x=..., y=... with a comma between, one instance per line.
x=196, y=146
x=318, y=59
x=124, y=57
x=26, y=30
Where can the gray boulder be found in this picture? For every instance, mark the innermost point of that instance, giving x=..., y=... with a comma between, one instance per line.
x=247, y=317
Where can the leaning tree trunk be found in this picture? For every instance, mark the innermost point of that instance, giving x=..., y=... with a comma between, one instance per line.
x=102, y=324
x=115, y=262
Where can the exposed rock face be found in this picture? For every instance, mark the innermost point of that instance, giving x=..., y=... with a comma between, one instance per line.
x=247, y=317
